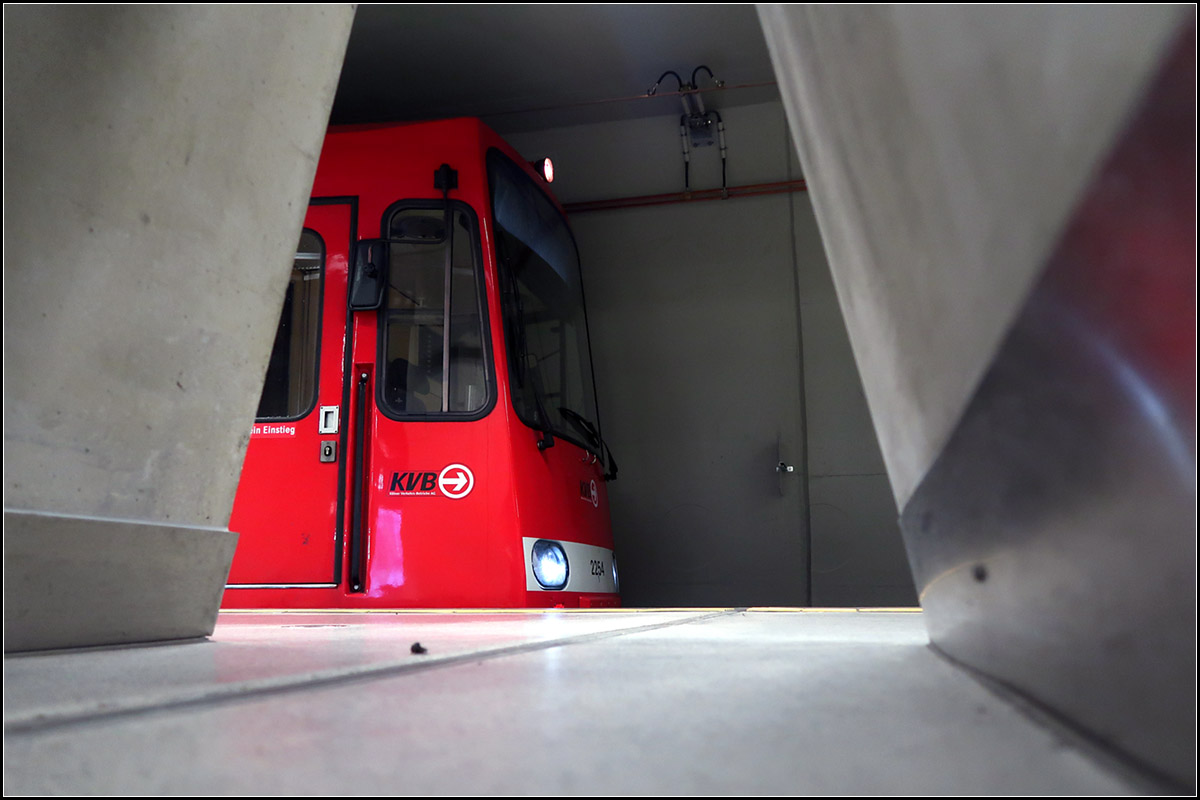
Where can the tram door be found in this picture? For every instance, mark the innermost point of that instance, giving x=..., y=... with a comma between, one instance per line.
x=286, y=509
x=426, y=509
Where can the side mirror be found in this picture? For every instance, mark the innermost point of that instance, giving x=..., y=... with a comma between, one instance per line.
x=370, y=276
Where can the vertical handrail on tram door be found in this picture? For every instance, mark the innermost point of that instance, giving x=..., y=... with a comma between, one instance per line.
x=445, y=178
x=356, y=518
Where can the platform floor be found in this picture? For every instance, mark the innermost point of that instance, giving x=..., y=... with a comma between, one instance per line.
x=578, y=703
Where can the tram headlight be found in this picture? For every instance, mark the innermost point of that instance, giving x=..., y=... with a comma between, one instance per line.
x=549, y=562
x=616, y=580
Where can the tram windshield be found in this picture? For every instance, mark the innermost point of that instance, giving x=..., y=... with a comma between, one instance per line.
x=545, y=328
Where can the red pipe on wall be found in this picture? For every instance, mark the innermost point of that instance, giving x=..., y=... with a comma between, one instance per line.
x=750, y=190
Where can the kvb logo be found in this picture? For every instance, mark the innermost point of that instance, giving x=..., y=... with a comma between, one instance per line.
x=455, y=481
x=589, y=492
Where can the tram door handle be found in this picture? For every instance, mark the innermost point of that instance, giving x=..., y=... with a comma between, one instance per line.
x=327, y=424
x=782, y=468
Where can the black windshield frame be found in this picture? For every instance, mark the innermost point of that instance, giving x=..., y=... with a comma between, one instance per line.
x=528, y=398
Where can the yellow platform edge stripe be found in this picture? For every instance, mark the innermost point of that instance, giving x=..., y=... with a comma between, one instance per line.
x=773, y=609
x=841, y=610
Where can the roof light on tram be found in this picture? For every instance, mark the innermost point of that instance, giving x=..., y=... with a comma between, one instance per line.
x=549, y=562
x=545, y=168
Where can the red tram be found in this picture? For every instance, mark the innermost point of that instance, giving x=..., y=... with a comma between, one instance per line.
x=427, y=435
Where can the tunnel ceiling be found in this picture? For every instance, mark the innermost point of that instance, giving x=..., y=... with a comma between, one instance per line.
x=523, y=67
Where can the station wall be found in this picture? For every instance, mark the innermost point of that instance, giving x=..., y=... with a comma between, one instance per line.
x=719, y=344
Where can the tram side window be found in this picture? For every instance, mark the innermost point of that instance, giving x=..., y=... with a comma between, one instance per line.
x=290, y=388
x=415, y=327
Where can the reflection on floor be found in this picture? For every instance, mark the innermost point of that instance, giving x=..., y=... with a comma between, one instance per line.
x=686, y=701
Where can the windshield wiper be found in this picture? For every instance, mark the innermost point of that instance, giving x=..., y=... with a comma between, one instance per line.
x=582, y=424
x=535, y=378
x=588, y=429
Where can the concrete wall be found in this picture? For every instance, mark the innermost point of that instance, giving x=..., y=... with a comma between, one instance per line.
x=641, y=267
x=157, y=161
x=945, y=141
x=1007, y=196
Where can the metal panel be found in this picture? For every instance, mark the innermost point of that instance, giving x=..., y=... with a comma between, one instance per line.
x=698, y=364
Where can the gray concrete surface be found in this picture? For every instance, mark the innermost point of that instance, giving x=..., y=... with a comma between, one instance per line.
x=658, y=702
x=157, y=160
x=984, y=178
x=78, y=581
x=944, y=148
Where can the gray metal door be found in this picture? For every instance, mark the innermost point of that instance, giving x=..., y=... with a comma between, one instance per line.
x=693, y=316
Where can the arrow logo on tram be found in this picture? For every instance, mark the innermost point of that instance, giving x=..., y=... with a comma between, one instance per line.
x=456, y=481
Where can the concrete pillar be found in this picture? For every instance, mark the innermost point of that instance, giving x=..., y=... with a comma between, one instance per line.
x=158, y=163
x=946, y=147
x=1007, y=200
